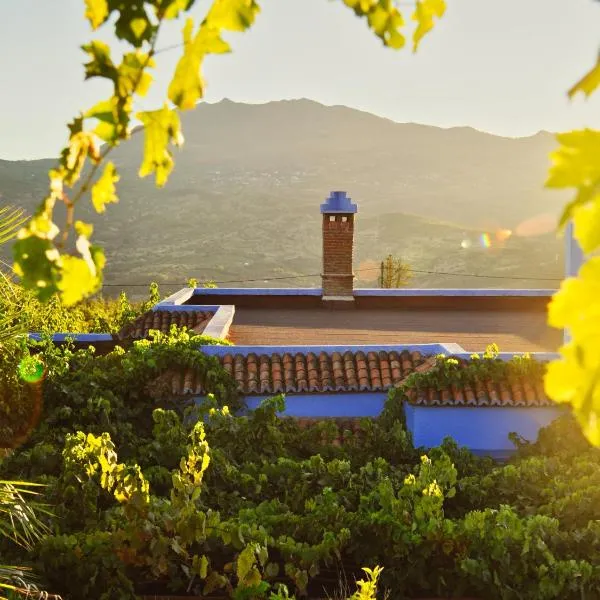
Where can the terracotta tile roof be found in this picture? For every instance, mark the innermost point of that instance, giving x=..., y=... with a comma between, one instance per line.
x=323, y=372
x=162, y=320
x=512, y=390
x=309, y=372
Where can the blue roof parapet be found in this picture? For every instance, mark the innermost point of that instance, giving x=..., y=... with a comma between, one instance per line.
x=338, y=202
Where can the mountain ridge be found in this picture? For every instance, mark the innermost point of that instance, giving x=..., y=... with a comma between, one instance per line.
x=248, y=183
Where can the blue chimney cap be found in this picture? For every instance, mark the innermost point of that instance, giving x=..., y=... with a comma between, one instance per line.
x=338, y=202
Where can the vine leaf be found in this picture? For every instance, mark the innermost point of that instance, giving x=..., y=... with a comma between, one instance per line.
x=574, y=377
x=100, y=64
x=104, y=191
x=96, y=12
x=77, y=280
x=588, y=83
x=35, y=264
x=425, y=13
x=170, y=9
x=161, y=127
x=132, y=74
x=187, y=85
x=383, y=18
x=233, y=15
x=133, y=23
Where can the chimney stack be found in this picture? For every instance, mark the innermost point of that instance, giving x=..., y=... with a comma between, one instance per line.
x=338, y=241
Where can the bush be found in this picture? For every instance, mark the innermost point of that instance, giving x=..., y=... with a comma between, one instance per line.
x=156, y=495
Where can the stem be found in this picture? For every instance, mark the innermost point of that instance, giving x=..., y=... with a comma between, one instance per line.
x=86, y=184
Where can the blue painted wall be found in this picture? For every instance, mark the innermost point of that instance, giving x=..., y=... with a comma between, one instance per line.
x=328, y=405
x=484, y=430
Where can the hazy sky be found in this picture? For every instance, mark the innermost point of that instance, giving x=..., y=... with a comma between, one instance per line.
x=501, y=66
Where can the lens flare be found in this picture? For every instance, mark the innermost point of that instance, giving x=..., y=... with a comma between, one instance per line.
x=538, y=225
x=503, y=234
x=465, y=244
x=485, y=240
x=31, y=369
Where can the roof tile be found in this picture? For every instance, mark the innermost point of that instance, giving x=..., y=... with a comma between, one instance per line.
x=162, y=320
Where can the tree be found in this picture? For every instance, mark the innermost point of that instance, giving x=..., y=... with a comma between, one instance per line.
x=52, y=260
x=393, y=272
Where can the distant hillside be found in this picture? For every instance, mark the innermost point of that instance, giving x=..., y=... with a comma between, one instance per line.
x=243, y=202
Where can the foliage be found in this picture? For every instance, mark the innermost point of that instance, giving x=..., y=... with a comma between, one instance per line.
x=51, y=261
x=482, y=369
x=20, y=526
x=575, y=377
x=160, y=495
x=393, y=272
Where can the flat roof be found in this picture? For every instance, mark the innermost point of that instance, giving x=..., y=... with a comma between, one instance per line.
x=513, y=331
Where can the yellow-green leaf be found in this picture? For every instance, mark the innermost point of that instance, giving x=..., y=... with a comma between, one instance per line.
x=233, y=15
x=161, y=127
x=101, y=64
x=586, y=220
x=187, y=85
x=84, y=229
x=96, y=12
x=104, y=190
x=77, y=281
x=576, y=162
x=588, y=83
x=132, y=74
x=386, y=21
x=170, y=9
x=425, y=13
x=203, y=567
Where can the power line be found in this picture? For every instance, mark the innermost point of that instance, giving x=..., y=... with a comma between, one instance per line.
x=288, y=277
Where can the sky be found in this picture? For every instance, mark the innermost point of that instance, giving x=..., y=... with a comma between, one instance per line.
x=501, y=66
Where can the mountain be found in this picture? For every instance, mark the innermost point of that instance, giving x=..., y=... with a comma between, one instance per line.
x=243, y=201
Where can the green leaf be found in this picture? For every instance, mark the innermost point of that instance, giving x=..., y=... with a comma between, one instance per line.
x=203, y=571
x=133, y=23
x=588, y=83
x=245, y=563
x=104, y=190
x=170, y=9
x=187, y=86
x=425, y=13
x=35, y=264
x=101, y=64
x=96, y=12
x=161, y=127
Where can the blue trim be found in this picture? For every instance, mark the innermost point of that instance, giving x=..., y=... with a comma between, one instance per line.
x=186, y=308
x=257, y=292
x=539, y=356
x=89, y=338
x=349, y=405
x=452, y=292
x=426, y=349
x=483, y=429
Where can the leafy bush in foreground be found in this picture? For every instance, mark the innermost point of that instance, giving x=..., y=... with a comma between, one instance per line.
x=154, y=495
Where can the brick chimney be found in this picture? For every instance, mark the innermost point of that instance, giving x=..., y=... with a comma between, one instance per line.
x=338, y=241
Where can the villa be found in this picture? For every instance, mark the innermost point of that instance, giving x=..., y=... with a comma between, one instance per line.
x=335, y=352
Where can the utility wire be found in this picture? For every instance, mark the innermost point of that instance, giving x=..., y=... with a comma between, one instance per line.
x=280, y=278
